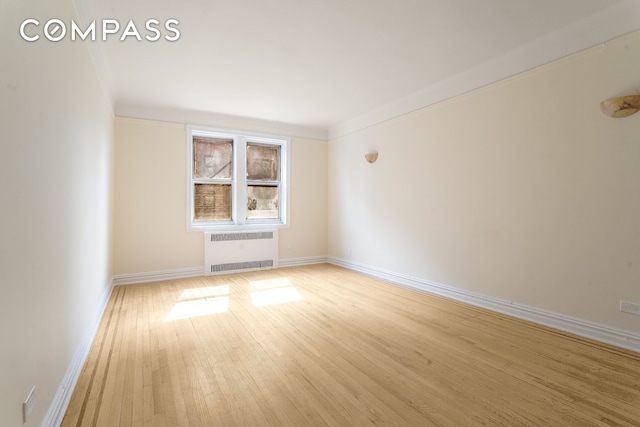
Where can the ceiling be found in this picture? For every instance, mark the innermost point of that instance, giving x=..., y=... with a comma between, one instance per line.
x=336, y=65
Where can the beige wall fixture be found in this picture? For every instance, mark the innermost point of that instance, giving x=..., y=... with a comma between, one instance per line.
x=371, y=157
x=622, y=106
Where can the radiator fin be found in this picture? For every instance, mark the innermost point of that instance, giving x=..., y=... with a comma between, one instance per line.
x=234, y=266
x=258, y=235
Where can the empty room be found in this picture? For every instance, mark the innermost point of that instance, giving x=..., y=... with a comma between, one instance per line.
x=312, y=212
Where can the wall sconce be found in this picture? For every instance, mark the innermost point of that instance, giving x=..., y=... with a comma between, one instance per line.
x=622, y=106
x=371, y=157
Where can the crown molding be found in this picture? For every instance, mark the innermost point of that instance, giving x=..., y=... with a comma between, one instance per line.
x=620, y=19
x=218, y=120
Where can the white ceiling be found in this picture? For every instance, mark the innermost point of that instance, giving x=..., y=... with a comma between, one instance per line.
x=337, y=65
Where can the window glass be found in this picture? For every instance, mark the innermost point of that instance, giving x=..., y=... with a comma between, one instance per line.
x=262, y=202
x=212, y=158
x=212, y=202
x=263, y=162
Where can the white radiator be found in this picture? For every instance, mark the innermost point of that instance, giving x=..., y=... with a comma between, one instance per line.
x=230, y=252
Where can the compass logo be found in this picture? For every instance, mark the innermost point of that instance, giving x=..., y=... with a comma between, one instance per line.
x=55, y=30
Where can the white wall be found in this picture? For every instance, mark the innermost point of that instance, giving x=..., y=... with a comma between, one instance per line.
x=55, y=173
x=522, y=191
x=150, y=200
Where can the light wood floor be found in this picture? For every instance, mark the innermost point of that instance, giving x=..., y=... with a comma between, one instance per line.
x=320, y=345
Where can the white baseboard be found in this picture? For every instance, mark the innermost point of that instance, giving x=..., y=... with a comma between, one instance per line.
x=297, y=262
x=605, y=334
x=183, y=273
x=58, y=407
x=157, y=276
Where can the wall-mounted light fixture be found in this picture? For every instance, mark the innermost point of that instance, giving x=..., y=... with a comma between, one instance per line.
x=371, y=157
x=622, y=106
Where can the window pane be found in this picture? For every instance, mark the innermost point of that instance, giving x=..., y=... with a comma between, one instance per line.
x=262, y=162
x=262, y=202
x=212, y=158
x=212, y=202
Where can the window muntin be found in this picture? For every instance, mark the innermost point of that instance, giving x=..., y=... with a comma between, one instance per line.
x=236, y=181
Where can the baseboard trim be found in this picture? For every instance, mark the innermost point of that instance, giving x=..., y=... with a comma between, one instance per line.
x=183, y=273
x=583, y=328
x=157, y=276
x=60, y=402
x=297, y=262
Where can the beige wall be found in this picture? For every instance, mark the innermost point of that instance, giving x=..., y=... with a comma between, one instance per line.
x=150, y=200
x=55, y=186
x=308, y=231
x=150, y=195
x=522, y=190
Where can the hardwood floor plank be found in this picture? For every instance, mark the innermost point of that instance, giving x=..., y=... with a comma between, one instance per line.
x=321, y=345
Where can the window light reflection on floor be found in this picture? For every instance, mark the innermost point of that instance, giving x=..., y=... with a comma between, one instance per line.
x=200, y=302
x=273, y=291
x=209, y=300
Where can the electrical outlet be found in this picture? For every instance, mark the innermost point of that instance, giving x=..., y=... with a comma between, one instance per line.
x=28, y=404
x=630, y=307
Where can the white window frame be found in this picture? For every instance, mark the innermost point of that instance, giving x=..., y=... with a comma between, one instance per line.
x=239, y=219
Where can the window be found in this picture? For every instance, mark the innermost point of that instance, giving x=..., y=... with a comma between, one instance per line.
x=236, y=181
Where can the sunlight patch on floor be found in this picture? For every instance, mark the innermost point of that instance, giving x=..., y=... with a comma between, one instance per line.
x=210, y=300
x=199, y=307
x=197, y=302
x=273, y=291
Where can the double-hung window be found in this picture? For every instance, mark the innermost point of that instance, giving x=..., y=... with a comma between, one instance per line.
x=236, y=180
